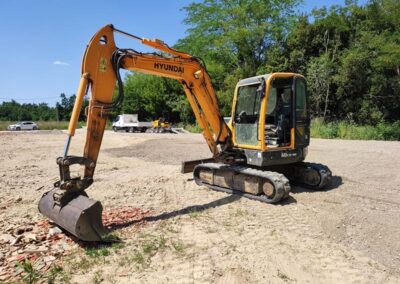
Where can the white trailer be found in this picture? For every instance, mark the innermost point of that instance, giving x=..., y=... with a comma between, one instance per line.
x=130, y=123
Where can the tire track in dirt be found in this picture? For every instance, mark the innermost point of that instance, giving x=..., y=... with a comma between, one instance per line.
x=282, y=234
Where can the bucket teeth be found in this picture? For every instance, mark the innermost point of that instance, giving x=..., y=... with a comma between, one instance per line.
x=81, y=215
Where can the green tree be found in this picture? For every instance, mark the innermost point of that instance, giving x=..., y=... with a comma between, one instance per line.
x=152, y=97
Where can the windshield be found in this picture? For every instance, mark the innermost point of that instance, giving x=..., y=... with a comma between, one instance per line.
x=247, y=100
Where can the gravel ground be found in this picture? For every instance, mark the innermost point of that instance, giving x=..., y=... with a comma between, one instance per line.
x=190, y=234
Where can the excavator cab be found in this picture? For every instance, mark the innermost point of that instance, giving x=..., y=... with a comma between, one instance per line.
x=270, y=114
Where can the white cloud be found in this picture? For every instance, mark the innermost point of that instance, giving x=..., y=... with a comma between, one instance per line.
x=60, y=63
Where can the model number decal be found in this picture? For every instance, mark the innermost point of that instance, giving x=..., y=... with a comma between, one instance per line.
x=103, y=64
x=288, y=155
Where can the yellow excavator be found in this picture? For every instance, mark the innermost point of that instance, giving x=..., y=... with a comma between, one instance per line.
x=257, y=155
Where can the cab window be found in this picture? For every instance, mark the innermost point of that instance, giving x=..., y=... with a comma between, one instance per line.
x=301, y=103
x=248, y=104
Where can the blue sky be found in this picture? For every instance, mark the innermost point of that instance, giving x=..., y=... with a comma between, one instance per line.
x=42, y=42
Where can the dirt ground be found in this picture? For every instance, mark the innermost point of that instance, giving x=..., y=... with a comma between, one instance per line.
x=349, y=233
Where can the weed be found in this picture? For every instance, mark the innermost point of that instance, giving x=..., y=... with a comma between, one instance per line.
x=57, y=273
x=178, y=246
x=124, y=261
x=97, y=252
x=83, y=264
x=118, y=245
x=111, y=238
x=149, y=247
x=172, y=230
x=30, y=273
x=139, y=259
x=98, y=277
x=162, y=242
x=194, y=213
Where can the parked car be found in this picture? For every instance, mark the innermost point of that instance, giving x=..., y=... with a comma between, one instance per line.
x=23, y=125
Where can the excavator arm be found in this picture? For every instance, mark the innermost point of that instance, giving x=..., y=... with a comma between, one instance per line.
x=100, y=71
x=67, y=204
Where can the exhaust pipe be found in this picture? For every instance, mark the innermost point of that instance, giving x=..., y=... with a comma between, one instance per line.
x=80, y=215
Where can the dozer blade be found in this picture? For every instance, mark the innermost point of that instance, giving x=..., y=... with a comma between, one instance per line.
x=81, y=216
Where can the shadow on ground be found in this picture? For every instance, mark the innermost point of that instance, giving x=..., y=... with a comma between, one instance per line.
x=335, y=183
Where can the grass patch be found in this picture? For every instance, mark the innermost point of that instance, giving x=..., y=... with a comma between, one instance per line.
x=345, y=130
x=124, y=261
x=57, y=274
x=30, y=272
x=82, y=263
x=151, y=244
x=97, y=252
x=194, y=128
x=194, y=213
x=111, y=238
x=118, y=246
x=179, y=246
x=162, y=242
x=98, y=277
x=150, y=247
x=141, y=260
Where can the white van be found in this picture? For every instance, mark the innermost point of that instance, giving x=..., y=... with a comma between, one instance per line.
x=130, y=123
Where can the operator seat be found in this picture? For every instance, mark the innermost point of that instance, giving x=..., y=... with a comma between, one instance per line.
x=277, y=125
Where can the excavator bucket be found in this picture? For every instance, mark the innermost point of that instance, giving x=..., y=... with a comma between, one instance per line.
x=81, y=215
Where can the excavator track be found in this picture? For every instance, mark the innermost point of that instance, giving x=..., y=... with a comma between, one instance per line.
x=310, y=175
x=264, y=186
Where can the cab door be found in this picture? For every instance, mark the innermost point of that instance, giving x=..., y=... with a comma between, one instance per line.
x=302, y=118
x=247, y=114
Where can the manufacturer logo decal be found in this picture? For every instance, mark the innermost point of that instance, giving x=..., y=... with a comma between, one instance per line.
x=167, y=67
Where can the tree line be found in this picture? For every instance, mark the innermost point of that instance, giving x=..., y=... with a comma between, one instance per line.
x=349, y=54
x=14, y=111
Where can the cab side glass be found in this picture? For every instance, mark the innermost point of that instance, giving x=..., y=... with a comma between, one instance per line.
x=301, y=103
